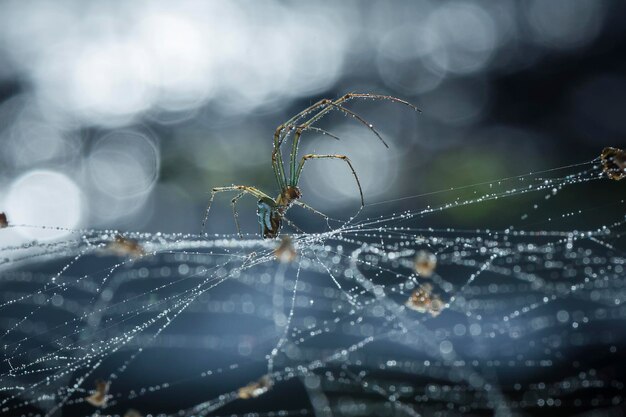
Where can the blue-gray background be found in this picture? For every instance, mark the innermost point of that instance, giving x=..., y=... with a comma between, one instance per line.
x=125, y=114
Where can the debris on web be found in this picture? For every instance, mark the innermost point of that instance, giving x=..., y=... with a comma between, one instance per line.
x=122, y=246
x=256, y=388
x=423, y=300
x=614, y=163
x=3, y=220
x=285, y=251
x=101, y=394
x=425, y=263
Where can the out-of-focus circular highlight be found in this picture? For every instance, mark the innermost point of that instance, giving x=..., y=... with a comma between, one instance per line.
x=44, y=198
x=124, y=164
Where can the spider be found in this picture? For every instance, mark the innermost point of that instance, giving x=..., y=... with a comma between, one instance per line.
x=271, y=212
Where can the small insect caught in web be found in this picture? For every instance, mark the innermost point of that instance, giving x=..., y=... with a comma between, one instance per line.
x=3, y=220
x=613, y=163
x=423, y=300
x=285, y=251
x=101, y=394
x=425, y=263
x=123, y=246
x=255, y=389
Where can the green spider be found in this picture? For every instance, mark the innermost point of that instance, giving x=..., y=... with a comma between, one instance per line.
x=271, y=212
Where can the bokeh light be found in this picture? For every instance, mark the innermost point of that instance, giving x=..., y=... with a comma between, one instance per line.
x=124, y=164
x=45, y=198
x=564, y=24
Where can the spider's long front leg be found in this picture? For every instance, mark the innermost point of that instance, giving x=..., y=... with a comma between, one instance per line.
x=325, y=102
x=283, y=130
x=323, y=132
x=280, y=133
x=330, y=105
x=279, y=136
x=244, y=189
x=342, y=157
x=384, y=97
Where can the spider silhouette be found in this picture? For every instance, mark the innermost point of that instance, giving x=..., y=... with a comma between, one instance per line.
x=271, y=211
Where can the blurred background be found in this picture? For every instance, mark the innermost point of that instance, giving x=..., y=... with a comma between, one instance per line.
x=125, y=114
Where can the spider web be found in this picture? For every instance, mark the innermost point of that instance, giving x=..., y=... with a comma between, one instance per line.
x=531, y=322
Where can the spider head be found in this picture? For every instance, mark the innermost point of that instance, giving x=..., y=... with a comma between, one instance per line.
x=269, y=218
x=288, y=195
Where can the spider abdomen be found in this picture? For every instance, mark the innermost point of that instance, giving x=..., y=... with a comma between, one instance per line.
x=269, y=217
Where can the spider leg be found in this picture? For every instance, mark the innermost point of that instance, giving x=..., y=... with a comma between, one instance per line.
x=283, y=130
x=342, y=157
x=326, y=102
x=277, y=158
x=384, y=97
x=319, y=213
x=362, y=121
x=244, y=189
x=327, y=105
x=280, y=134
x=323, y=132
x=235, y=215
x=330, y=105
x=279, y=137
